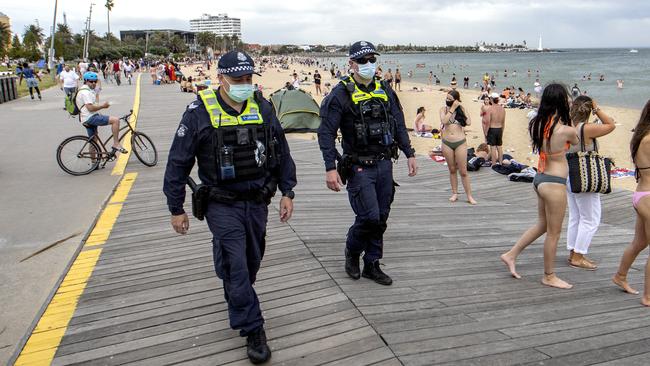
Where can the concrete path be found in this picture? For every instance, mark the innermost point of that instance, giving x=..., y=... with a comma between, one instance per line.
x=42, y=204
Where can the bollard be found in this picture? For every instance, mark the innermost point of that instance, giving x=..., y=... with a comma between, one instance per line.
x=8, y=88
x=4, y=90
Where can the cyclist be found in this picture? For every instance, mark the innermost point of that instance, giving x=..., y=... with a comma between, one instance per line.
x=89, y=116
x=128, y=71
x=116, y=72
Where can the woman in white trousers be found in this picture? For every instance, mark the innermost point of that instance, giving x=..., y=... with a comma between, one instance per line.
x=584, y=208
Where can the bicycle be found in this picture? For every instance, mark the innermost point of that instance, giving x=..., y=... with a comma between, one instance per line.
x=80, y=155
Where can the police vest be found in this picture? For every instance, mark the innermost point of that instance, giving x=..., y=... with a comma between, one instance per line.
x=373, y=123
x=241, y=143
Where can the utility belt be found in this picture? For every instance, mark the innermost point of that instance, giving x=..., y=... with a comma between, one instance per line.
x=202, y=195
x=345, y=161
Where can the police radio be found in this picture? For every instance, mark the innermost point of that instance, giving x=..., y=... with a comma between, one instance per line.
x=226, y=166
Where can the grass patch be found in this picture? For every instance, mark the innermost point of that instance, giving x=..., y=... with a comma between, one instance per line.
x=45, y=83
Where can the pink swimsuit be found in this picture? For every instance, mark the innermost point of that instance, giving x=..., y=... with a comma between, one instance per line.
x=637, y=196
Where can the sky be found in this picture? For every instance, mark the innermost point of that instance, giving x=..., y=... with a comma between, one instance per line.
x=561, y=23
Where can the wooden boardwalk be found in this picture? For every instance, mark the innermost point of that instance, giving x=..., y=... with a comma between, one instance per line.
x=153, y=298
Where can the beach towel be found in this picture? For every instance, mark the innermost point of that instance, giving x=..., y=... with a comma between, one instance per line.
x=618, y=173
x=527, y=175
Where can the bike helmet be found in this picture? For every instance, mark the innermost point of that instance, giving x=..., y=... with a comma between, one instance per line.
x=90, y=76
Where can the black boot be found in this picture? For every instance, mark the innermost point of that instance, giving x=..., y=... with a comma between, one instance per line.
x=373, y=272
x=352, y=264
x=257, y=349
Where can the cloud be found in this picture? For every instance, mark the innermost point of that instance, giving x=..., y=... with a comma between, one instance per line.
x=563, y=23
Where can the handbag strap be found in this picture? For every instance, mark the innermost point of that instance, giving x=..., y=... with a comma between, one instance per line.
x=582, y=140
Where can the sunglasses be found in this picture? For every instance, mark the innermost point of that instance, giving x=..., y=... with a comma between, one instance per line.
x=363, y=60
x=91, y=81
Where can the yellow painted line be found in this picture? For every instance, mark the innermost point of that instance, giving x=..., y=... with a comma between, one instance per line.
x=120, y=165
x=107, y=219
x=46, y=336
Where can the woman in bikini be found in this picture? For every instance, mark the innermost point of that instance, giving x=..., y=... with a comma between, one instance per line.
x=454, y=118
x=552, y=135
x=640, y=146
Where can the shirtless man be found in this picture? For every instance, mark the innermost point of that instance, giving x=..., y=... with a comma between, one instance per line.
x=496, y=117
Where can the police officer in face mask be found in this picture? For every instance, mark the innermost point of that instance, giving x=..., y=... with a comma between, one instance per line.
x=243, y=157
x=371, y=121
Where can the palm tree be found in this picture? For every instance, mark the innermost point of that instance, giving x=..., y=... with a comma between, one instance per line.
x=32, y=41
x=205, y=40
x=5, y=39
x=109, y=5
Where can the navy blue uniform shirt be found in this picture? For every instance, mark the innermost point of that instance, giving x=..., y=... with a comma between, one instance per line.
x=196, y=129
x=336, y=112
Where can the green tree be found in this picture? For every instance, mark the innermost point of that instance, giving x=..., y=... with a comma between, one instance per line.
x=176, y=44
x=32, y=41
x=16, y=50
x=5, y=39
x=226, y=46
x=205, y=40
x=64, y=44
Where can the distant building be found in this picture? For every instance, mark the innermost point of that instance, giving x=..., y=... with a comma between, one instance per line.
x=188, y=37
x=4, y=19
x=221, y=25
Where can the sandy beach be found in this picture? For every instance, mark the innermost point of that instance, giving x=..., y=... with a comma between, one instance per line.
x=516, y=139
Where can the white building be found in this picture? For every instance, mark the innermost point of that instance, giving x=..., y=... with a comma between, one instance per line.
x=221, y=25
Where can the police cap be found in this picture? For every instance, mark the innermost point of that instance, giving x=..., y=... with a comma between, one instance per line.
x=236, y=64
x=362, y=48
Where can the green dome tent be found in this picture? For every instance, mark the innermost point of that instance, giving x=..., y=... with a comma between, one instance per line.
x=296, y=110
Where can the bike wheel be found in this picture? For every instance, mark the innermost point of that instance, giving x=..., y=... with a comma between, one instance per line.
x=77, y=155
x=144, y=149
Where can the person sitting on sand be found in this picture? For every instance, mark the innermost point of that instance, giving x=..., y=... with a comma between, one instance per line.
x=476, y=160
x=640, y=148
x=552, y=135
x=420, y=127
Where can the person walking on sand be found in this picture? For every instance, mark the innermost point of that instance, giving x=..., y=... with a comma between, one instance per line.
x=640, y=148
x=317, y=81
x=551, y=135
x=398, y=80
x=584, y=208
x=454, y=119
x=496, y=119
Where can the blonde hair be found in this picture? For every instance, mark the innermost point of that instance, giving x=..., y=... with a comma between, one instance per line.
x=581, y=109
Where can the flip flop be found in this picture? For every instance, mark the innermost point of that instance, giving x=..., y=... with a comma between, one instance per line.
x=120, y=150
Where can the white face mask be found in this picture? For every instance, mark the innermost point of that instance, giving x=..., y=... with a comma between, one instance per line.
x=367, y=70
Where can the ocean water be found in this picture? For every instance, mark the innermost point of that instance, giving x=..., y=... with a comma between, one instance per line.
x=567, y=66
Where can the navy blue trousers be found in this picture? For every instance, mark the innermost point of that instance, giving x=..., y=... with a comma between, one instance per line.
x=239, y=232
x=370, y=191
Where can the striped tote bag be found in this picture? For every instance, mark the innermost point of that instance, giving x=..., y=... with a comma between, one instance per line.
x=589, y=172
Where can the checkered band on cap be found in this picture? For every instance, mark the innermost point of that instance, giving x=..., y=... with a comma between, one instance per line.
x=362, y=52
x=230, y=70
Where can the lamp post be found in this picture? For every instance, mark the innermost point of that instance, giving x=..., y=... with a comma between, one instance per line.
x=50, y=61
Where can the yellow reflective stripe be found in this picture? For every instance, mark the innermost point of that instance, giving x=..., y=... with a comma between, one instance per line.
x=360, y=96
x=219, y=117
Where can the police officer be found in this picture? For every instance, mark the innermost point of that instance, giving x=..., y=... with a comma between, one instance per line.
x=243, y=157
x=371, y=121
